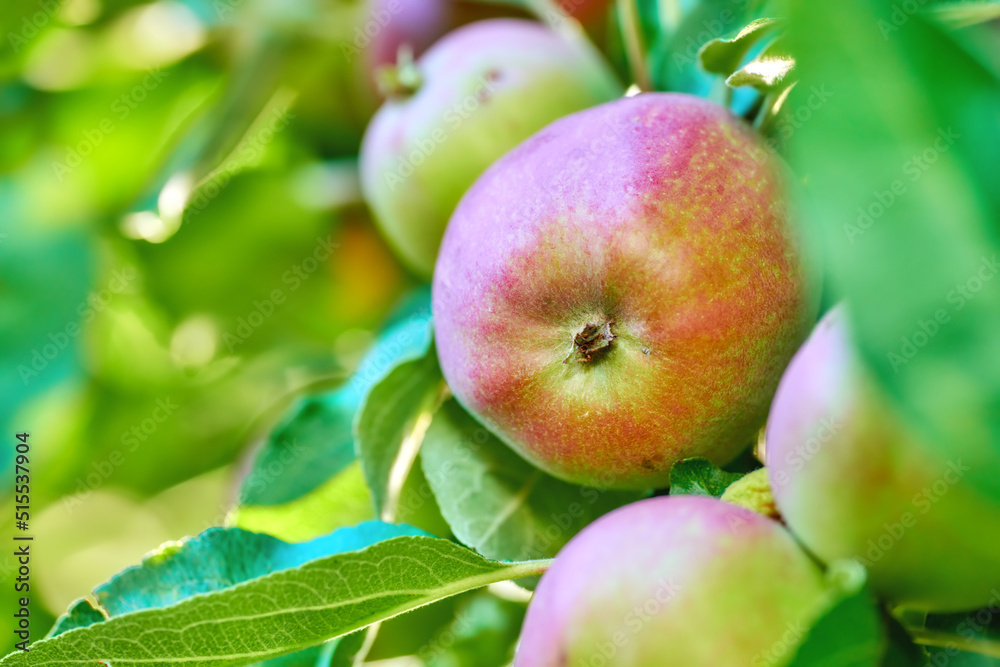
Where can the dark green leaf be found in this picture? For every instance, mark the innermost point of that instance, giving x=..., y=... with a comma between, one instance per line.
x=498, y=503
x=396, y=409
x=699, y=477
x=483, y=633
x=315, y=441
x=311, y=445
x=849, y=631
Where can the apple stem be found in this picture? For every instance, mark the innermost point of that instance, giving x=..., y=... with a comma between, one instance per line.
x=401, y=79
x=593, y=338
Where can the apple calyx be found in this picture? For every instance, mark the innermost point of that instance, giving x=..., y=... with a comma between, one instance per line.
x=594, y=338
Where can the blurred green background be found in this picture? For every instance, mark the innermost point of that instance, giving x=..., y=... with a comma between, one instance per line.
x=184, y=249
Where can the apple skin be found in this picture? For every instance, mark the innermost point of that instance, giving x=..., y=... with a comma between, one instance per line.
x=486, y=87
x=416, y=23
x=673, y=580
x=852, y=480
x=649, y=212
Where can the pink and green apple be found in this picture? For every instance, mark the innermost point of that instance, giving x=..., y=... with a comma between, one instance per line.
x=854, y=480
x=675, y=580
x=472, y=97
x=623, y=291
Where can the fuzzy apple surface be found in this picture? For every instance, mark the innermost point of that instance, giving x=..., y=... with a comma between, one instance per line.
x=675, y=580
x=473, y=96
x=852, y=480
x=623, y=291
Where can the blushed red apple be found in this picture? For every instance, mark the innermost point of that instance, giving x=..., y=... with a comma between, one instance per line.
x=623, y=290
x=675, y=580
x=853, y=480
x=473, y=96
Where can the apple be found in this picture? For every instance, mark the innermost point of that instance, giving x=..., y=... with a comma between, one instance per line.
x=473, y=96
x=673, y=580
x=623, y=291
x=335, y=62
x=854, y=480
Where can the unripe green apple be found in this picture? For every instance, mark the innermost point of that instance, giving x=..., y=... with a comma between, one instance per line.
x=623, y=291
x=473, y=96
x=675, y=580
x=854, y=480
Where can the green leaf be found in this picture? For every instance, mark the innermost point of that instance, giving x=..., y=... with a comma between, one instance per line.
x=498, y=503
x=310, y=446
x=770, y=71
x=396, y=410
x=276, y=613
x=343, y=500
x=895, y=137
x=977, y=632
x=964, y=14
x=483, y=633
x=315, y=441
x=723, y=56
x=849, y=631
x=80, y=614
x=699, y=477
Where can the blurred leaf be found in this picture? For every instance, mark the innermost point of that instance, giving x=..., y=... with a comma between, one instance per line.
x=964, y=14
x=723, y=56
x=849, y=632
x=903, y=194
x=963, y=639
x=39, y=345
x=483, y=634
x=407, y=634
x=674, y=56
x=699, y=477
x=315, y=441
x=340, y=652
x=396, y=409
x=498, y=503
x=279, y=612
x=341, y=501
x=310, y=446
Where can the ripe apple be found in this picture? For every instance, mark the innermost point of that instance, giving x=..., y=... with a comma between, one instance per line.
x=623, y=291
x=473, y=96
x=674, y=580
x=852, y=479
